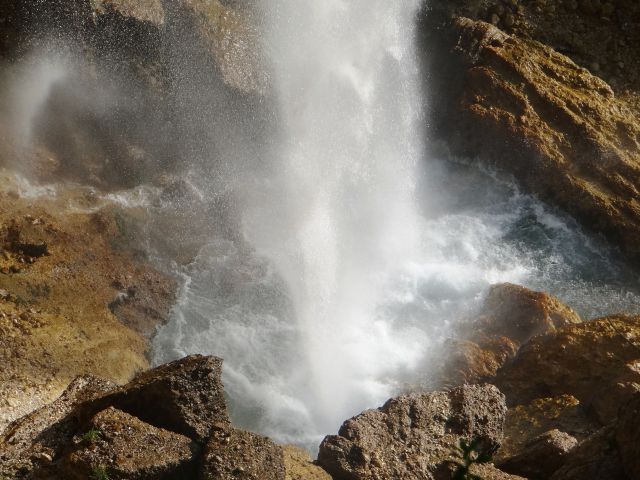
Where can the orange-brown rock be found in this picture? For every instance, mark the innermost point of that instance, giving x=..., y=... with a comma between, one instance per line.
x=55, y=321
x=524, y=423
x=598, y=362
x=298, y=465
x=533, y=113
x=511, y=315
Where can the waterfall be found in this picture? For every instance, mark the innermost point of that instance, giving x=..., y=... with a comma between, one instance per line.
x=343, y=217
x=358, y=252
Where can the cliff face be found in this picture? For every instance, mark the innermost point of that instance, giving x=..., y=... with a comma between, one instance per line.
x=60, y=273
x=567, y=134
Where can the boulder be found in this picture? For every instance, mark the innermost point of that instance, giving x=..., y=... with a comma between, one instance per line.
x=519, y=314
x=596, y=457
x=596, y=362
x=32, y=442
x=236, y=454
x=542, y=456
x=415, y=436
x=525, y=423
x=123, y=447
x=531, y=112
x=185, y=396
x=511, y=315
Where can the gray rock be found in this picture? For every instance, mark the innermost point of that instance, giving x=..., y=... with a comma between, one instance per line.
x=127, y=449
x=185, y=396
x=415, y=436
x=236, y=454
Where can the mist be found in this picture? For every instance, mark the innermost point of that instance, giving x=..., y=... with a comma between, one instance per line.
x=324, y=248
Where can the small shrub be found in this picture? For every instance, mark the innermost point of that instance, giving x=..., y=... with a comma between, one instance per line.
x=469, y=456
x=92, y=436
x=99, y=473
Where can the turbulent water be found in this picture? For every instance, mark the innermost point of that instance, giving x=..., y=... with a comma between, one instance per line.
x=359, y=252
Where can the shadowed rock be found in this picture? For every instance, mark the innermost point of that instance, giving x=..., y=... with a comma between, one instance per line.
x=542, y=456
x=185, y=396
x=128, y=449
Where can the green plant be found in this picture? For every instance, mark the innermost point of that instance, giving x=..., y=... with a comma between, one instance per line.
x=99, y=473
x=469, y=456
x=92, y=435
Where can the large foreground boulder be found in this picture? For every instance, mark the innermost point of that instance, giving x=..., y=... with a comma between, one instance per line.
x=415, y=436
x=170, y=422
x=185, y=396
x=124, y=447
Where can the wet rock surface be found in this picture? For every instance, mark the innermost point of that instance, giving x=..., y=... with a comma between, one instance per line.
x=530, y=111
x=511, y=316
x=55, y=323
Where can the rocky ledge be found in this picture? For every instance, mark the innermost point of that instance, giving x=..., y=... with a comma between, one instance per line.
x=540, y=395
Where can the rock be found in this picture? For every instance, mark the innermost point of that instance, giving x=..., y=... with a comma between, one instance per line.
x=518, y=313
x=127, y=448
x=45, y=431
x=598, y=362
x=578, y=148
x=542, y=456
x=235, y=454
x=511, y=315
x=628, y=436
x=185, y=396
x=524, y=423
x=231, y=35
x=596, y=457
x=415, y=436
x=298, y=465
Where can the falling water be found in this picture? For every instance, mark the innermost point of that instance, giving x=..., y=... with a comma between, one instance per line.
x=346, y=78
x=354, y=259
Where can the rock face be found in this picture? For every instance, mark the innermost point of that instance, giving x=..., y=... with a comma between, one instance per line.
x=525, y=423
x=533, y=113
x=596, y=457
x=168, y=423
x=185, y=396
x=232, y=454
x=54, y=315
x=628, y=436
x=414, y=436
x=298, y=465
x=126, y=448
x=596, y=362
x=542, y=456
x=511, y=316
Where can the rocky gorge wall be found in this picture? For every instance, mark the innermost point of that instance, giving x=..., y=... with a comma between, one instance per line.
x=545, y=91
